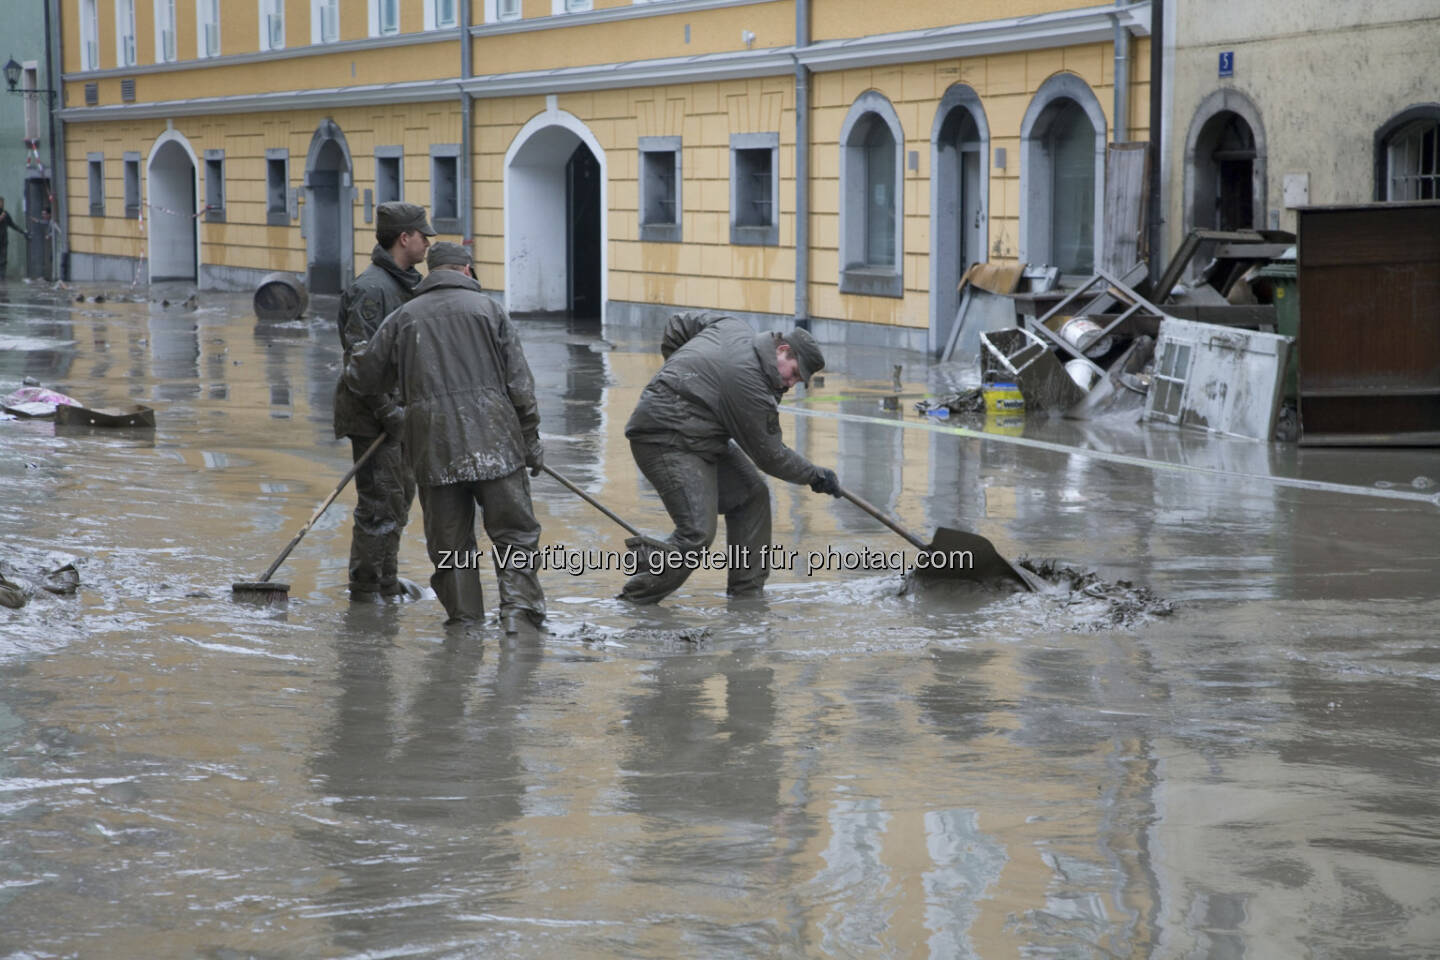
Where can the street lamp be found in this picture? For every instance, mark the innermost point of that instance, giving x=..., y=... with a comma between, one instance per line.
x=12, y=77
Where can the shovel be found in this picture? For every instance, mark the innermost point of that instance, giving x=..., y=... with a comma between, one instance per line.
x=636, y=537
x=953, y=554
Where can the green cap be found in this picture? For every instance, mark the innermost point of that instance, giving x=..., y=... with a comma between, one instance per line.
x=399, y=216
x=446, y=253
x=805, y=351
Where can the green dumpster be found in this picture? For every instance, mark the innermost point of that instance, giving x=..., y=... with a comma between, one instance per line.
x=1285, y=295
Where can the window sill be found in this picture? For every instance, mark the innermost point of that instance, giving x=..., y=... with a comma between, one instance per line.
x=660, y=233
x=449, y=225
x=755, y=236
x=214, y=216
x=277, y=218
x=872, y=281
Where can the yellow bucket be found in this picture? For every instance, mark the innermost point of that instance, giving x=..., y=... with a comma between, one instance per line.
x=1003, y=398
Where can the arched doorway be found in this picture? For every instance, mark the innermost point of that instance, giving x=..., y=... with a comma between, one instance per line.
x=1225, y=173
x=172, y=184
x=1225, y=166
x=1062, y=174
x=555, y=233
x=329, y=228
x=959, y=188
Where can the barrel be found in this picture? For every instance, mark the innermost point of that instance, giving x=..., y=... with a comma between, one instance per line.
x=280, y=297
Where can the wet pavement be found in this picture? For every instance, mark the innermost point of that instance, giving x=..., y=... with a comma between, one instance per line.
x=838, y=770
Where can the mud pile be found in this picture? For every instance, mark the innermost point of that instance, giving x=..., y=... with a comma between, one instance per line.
x=1096, y=604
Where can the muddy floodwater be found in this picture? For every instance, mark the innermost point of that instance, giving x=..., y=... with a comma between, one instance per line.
x=837, y=770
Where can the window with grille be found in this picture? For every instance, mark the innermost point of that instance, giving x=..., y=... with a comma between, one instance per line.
x=445, y=187
x=277, y=184
x=1168, y=383
x=507, y=9
x=96, y=164
x=215, y=186
x=660, y=168
x=389, y=174
x=754, y=190
x=1412, y=160
x=444, y=13
x=132, y=184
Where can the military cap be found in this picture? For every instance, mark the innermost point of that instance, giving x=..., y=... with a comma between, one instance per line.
x=805, y=351
x=400, y=216
x=445, y=253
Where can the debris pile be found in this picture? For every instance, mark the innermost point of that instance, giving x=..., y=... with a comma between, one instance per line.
x=1105, y=605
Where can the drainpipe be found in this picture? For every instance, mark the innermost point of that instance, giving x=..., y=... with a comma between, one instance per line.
x=1122, y=77
x=802, y=168
x=467, y=102
x=1157, y=77
x=58, y=209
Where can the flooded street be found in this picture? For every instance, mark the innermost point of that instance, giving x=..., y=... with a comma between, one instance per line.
x=837, y=770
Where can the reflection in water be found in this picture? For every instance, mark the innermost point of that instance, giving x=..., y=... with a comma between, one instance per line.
x=436, y=783
x=835, y=772
x=174, y=353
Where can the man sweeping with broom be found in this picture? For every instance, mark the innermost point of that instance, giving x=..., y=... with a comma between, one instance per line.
x=471, y=427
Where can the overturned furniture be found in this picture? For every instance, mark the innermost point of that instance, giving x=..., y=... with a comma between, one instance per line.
x=1217, y=378
x=1369, y=278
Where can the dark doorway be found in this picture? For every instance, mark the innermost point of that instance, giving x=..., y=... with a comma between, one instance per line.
x=959, y=230
x=582, y=208
x=39, y=250
x=324, y=181
x=1228, y=144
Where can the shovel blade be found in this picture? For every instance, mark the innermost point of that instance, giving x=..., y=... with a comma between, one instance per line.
x=961, y=555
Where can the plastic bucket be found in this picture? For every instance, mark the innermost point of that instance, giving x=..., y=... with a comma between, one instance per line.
x=1083, y=335
x=1003, y=398
x=1081, y=372
x=280, y=297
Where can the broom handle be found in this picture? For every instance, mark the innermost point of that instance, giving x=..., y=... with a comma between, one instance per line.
x=592, y=501
x=321, y=509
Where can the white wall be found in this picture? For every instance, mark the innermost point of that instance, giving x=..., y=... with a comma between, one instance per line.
x=1324, y=76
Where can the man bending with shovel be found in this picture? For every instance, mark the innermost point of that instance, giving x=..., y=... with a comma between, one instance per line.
x=471, y=427
x=702, y=426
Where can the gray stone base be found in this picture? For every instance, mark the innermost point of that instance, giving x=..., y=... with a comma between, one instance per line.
x=96, y=267
x=214, y=276
x=651, y=318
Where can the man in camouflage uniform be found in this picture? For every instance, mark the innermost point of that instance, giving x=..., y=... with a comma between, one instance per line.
x=471, y=427
x=702, y=426
x=384, y=486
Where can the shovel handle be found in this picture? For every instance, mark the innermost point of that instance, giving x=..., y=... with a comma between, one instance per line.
x=915, y=541
x=321, y=509
x=592, y=501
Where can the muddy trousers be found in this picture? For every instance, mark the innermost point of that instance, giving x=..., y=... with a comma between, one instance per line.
x=384, y=490
x=695, y=490
x=509, y=519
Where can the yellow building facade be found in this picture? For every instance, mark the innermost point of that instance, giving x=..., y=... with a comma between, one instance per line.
x=770, y=158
